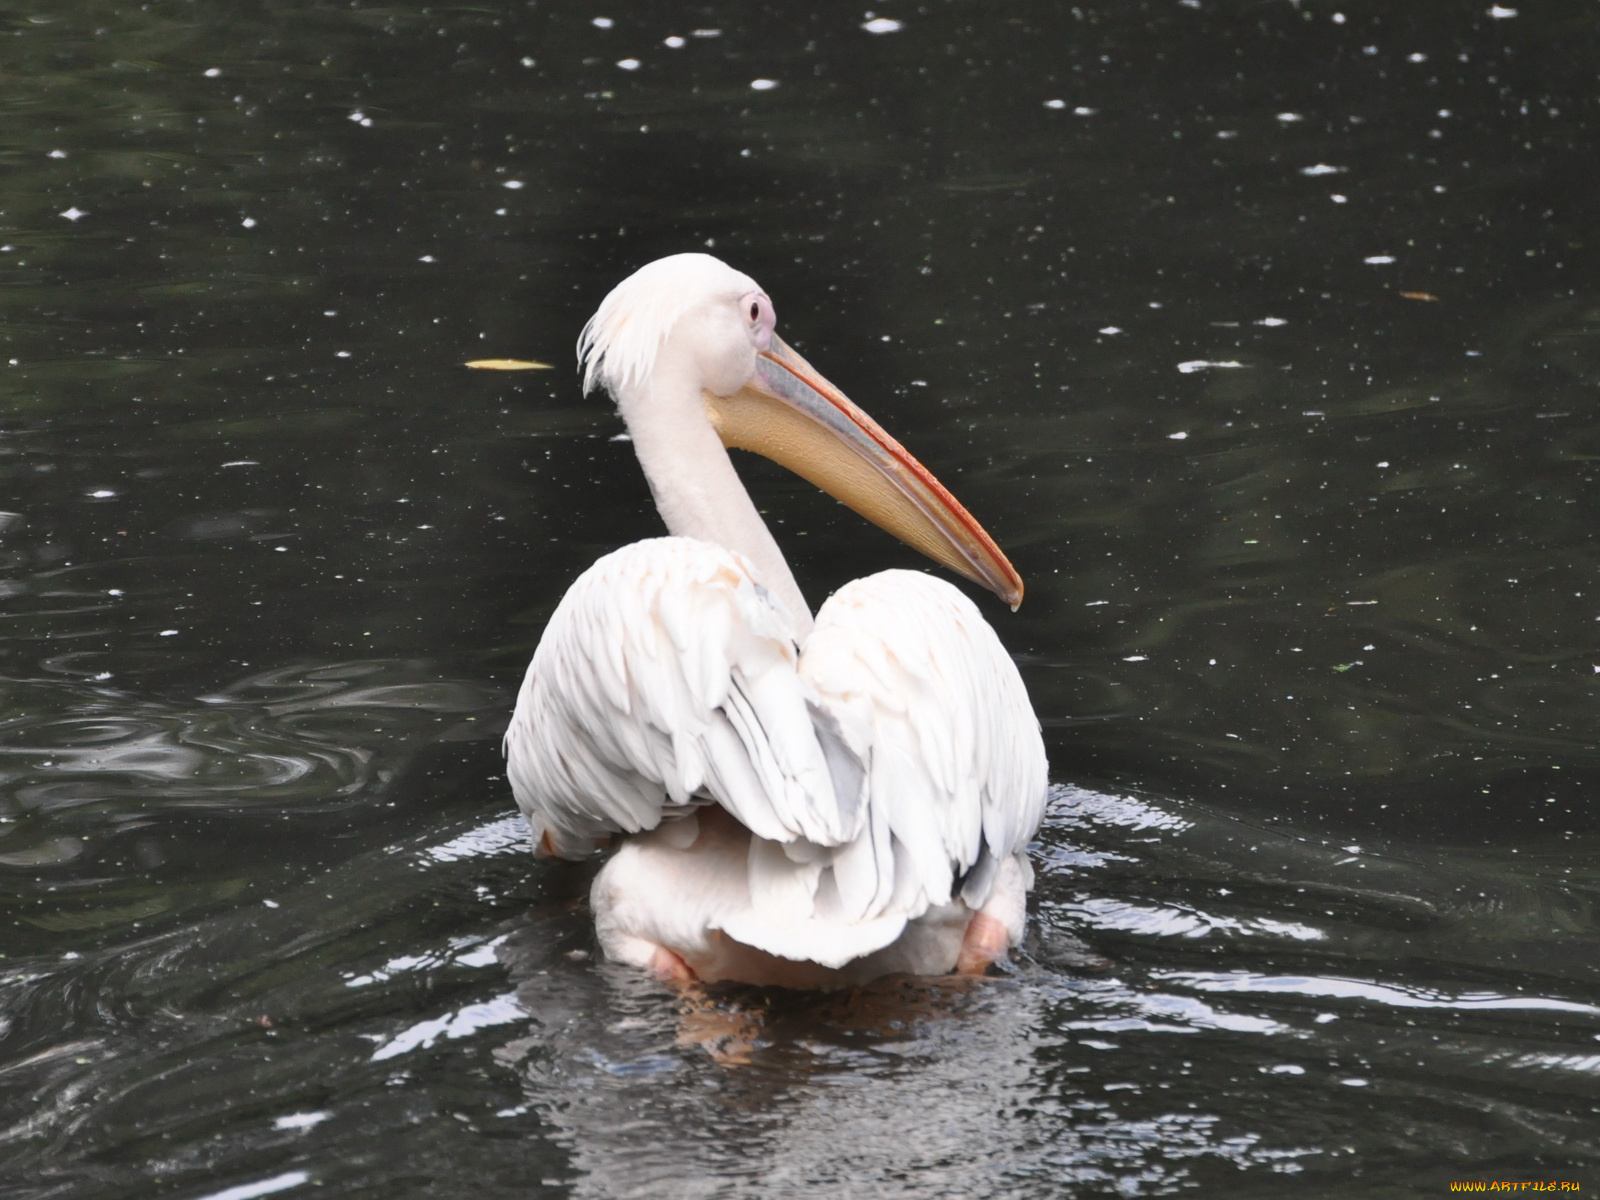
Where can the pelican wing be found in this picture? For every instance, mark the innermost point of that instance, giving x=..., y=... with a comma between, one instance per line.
x=667, y=678
x=957, y=778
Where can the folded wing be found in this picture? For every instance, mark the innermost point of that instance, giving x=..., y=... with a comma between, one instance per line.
x=667, y=679
x=957, y=773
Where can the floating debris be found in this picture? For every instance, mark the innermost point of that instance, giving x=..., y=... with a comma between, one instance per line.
x=1200, y=364
x=508, y=364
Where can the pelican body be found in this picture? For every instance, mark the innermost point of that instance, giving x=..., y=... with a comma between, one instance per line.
x=806, y=802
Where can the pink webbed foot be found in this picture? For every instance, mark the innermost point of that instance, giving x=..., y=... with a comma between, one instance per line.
x=670, y=968
x=985, y=941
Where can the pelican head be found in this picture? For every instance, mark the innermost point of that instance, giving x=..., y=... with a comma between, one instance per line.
x=693, y=316
x=723, y=313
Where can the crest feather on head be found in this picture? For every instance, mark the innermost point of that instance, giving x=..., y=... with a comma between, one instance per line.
x=619, y=344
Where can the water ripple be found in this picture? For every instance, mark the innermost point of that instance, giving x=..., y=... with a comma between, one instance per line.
x=298, y=737
x=1356, y=989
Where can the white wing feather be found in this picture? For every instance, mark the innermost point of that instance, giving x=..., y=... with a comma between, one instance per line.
x=892, y=768
x=958, y=773
x=665, y=677
x=955, y=786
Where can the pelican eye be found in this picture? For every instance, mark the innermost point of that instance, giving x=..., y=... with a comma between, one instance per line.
x=755, y=311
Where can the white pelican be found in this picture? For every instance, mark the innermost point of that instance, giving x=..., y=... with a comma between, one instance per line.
x=804, y=803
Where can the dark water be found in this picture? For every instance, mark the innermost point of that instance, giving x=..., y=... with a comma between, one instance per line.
x=1265, y=337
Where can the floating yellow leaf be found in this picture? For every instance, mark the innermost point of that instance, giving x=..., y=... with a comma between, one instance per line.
x=507, y=364
x=1419, y=296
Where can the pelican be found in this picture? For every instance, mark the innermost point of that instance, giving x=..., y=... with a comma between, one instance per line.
x=800, y=802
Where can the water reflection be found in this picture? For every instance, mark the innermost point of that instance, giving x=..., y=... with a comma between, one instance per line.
x=1059, y=1072
x=450, y=991
x=904, y=1088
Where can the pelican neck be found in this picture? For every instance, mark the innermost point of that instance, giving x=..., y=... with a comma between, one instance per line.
x=697, y=490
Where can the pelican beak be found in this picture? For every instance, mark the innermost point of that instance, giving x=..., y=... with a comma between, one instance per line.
x=789, y=413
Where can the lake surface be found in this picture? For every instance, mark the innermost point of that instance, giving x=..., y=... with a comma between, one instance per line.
x=1264, y=337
